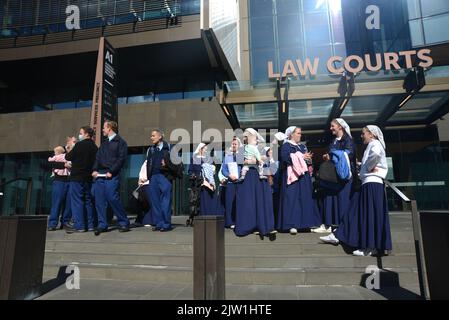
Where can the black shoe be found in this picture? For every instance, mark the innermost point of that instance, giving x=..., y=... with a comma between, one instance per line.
x=165, y=229
x=100, y=231
x=51, y=229
x=123, y=229
x=156, y=229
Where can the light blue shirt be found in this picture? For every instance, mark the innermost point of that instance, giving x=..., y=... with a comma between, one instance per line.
x=112, y=137
x=160, y=145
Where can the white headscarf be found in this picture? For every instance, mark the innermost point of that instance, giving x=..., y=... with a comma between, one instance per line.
x=344, y=125
x=199, y=147
x=289, y=131
x=375, y=130
x=251, y=131
x=280, y=136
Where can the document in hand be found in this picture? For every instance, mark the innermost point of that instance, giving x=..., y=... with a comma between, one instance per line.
x=233, y=169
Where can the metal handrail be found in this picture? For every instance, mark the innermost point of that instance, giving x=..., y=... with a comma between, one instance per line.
x=417, y=236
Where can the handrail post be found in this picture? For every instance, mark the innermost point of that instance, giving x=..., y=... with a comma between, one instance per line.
x=208, y=258
x=417, y=236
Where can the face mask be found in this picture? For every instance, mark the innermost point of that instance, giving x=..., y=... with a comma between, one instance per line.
x=81, y=137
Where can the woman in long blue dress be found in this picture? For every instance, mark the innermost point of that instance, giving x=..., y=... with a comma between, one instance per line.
x=297, y=209
x=335, y=203
x=201, y=166
x=254, y=202
x=366, y=227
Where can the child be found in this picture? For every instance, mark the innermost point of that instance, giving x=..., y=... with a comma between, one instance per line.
x=251, y=152
x=59, y=192
x=59, y=157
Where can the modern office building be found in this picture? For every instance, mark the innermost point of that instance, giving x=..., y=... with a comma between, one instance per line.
x=229, y=64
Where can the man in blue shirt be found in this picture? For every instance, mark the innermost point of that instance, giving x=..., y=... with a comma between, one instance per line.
x=110, y=160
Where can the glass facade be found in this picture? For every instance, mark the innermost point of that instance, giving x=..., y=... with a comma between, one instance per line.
x=24, y=17
x=429, y=20
x=293, y=29
x=32, y=165
x=420, y=164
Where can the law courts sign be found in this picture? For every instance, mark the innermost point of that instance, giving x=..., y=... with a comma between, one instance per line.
x=354, y=64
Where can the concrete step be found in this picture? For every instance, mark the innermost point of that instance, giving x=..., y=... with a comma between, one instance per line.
x=243, y=248
x=185, y=236
x=246, y=276
x=232, y=261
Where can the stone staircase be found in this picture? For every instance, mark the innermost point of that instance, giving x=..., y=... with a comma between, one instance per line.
x=290, y=261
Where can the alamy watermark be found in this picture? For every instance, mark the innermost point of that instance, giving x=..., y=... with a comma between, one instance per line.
x=72, y=21
x=73, y=281
x=372, y=282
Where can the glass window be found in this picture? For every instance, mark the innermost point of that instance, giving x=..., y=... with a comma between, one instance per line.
x=289, y=30
x=84, y=104
x=198, y=94
x=309, y=113
x=435, y=29
x=416, y=33
x=262, y=33
x=64, y=105
x=170, y=96
x=261, y=8
x=414, y=9
x=337, y=27
x=257, y=115
x=432, y=7
x=287, y=6
x=259, y=64
x=317, y=29
x=315, y=5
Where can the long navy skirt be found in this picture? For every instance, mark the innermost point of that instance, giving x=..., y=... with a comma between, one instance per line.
x=367, y=225
x=336, y=204
x=230, y=204
x=221, y=200
x=209, y=203
x=254, y=206
x=297, y=207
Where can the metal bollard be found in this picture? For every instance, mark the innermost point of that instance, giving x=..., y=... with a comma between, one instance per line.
x=208, y=258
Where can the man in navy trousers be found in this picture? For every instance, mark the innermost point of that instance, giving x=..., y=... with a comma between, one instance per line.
x=109, y=162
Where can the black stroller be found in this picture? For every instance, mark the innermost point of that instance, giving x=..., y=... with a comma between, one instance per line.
x=195, y=182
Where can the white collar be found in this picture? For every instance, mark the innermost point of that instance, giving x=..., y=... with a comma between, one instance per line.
x=293, y=142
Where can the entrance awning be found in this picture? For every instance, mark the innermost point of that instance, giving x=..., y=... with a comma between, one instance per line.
x=377, y=99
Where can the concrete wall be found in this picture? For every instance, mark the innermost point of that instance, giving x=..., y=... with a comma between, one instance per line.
x=41, y=131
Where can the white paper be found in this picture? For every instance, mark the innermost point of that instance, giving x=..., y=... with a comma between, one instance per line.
x=233, y=169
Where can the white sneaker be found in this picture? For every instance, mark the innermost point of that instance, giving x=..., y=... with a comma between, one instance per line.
x=233, y=227
x=330, y=239
x=273, y=232
x=293, y=231
x=321, y=229
x=364, y=253
x=148, y=225
x=256, y=233
x=330, y=230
